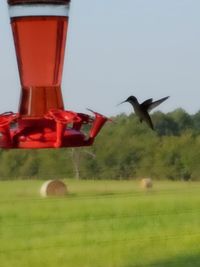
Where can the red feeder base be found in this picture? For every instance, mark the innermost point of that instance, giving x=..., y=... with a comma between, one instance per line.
x=58, y=128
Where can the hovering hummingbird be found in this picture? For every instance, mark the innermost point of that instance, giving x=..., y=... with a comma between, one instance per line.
x=142, y=110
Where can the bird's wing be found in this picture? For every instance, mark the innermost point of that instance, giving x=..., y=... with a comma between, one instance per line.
x=156, y=103
x=146, y=104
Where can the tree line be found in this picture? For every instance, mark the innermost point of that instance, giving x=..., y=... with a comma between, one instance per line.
x=125, y=149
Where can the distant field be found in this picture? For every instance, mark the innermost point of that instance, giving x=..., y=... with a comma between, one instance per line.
x=100, y=224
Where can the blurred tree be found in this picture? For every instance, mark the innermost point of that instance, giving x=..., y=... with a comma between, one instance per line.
x=125, y=149
x=182, y=118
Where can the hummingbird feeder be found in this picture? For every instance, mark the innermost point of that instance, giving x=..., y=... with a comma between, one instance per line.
x=39, y=30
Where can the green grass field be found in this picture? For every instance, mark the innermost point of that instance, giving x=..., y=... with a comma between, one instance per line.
x=100, y=224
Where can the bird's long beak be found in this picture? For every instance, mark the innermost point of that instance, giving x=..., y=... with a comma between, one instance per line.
x=121, y=103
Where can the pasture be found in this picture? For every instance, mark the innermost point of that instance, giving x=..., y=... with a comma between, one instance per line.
x=100, y=224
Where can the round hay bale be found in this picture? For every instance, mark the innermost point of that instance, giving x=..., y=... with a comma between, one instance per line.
x=53, y=188
x=146, y=183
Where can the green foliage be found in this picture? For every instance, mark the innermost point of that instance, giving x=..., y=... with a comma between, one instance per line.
x=124, y=149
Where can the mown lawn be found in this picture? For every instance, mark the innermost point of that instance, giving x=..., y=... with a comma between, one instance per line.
x=100, y=224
